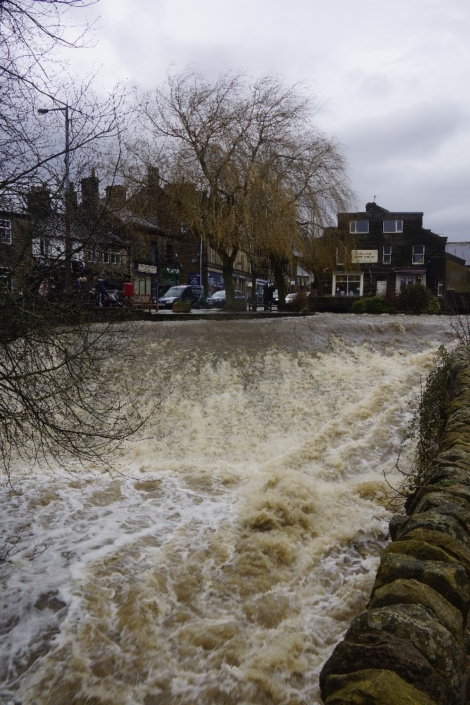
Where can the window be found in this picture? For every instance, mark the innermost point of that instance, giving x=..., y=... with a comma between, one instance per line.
x=142, y=286
x=358, y=226
x=393, y=226
x=418, y=254
x=5, y=232
x=387, y=254
x=410, y=280
x=115, y=258
x=45, y=248
x=347, y=284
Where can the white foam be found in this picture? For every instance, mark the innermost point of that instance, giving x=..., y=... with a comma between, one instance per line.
x=242, y=532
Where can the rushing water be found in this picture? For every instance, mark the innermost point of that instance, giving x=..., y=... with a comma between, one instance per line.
x=237, y=538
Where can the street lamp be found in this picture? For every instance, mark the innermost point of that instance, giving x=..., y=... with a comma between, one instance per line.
x=68, y=240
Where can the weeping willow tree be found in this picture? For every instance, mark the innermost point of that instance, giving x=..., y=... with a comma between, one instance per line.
x=270, y=226
x=254, y=156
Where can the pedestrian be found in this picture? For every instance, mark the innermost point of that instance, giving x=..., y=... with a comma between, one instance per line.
x=266, y=297
x=270, y=296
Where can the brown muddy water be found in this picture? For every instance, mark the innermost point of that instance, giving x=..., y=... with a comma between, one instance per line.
x=237, y=537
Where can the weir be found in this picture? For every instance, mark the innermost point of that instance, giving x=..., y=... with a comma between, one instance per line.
x=239, y=533
x=409, y=646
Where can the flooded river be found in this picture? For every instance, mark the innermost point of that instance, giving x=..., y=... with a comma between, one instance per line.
x=236, y=538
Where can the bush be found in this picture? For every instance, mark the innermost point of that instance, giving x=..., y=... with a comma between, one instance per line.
x=429, y=421
x=434, y=305
x=181, y=306
x=373, y=304
x=414, y=299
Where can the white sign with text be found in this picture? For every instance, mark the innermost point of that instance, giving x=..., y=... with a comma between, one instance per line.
x=364, y=256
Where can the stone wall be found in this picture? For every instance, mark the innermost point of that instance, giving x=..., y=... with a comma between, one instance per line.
x=409, y=646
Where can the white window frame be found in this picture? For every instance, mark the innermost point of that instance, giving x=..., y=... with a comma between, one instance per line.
x=5, y=232
x=418, y=257
x=348, y=274
x=353, y=227
x=397, y=226
x=387, y=256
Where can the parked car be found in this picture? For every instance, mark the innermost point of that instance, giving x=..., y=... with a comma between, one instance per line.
x=218, y=299
x=290, y=298
x=185, y=292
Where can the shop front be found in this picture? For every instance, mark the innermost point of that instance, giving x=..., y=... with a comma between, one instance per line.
x=408, y=277
x=145, y=284
x=215, y=281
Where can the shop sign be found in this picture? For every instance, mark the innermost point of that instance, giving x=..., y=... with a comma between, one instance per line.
x=171, y=270
x=194, y=279
x=147, y=268
x=364, y=256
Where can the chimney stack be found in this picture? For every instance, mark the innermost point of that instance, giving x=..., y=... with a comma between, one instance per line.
x=39, y=202
x=116, y=197
x=90, y=194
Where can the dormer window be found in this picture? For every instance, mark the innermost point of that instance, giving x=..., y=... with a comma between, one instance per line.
x=5, y=232
x=358, y=226
x=393, y=226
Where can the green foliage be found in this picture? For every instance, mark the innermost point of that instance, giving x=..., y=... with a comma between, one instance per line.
x=434, y=305
x=372, y=304
x=414, y=299
x=181, y=306
x=428, y=423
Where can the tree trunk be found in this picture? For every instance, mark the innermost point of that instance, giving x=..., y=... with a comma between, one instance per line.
x=278, y=271
x=227, y=271
x=254, y=293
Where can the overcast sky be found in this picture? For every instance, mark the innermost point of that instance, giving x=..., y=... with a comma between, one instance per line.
x=392, y=77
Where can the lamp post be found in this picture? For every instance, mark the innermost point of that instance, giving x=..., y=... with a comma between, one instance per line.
x=68, y=239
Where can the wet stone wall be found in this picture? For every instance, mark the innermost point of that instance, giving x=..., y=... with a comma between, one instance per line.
x=409, y=646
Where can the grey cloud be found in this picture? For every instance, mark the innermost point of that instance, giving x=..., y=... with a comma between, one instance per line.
x=405, y=134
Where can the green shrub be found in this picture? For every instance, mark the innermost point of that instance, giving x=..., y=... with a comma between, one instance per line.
x=414, y=299
x=372, y=304
x=429, y=421
x=181, y=306
x=434, y=305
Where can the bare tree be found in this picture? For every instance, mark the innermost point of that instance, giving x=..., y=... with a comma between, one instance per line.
x=34, y=37
x=55, y=383
x=255, y=158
